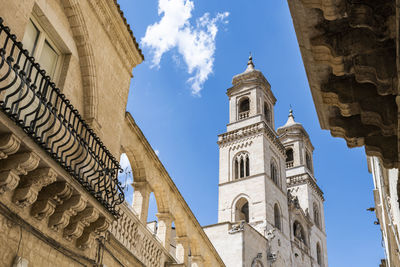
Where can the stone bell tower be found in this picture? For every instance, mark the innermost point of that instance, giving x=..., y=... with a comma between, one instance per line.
x=302, y=186
x=252, y=185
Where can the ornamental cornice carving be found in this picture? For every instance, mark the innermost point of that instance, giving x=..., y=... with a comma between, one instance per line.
x=106, y=12
x=304, y=179
x=250, y=132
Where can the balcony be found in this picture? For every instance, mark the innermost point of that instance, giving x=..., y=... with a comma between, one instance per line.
x=42, y=112
x=289, y=164
x=244, y=115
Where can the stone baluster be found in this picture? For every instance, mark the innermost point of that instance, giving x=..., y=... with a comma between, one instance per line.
x=164, y=228
x=141, y=197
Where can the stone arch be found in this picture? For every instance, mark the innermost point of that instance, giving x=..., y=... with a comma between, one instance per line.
x=80, y=33
x=241, y=165
x=277, y=216
x=238, y=207
x=137, y=164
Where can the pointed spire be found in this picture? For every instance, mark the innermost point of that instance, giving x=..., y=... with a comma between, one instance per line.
x=290, y=120
x=250, y=64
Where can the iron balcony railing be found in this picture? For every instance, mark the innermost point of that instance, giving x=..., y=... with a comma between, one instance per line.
x=31, y=100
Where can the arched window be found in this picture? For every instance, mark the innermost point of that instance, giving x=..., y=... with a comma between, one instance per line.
x=274, y=173
x=299, y=232
x=277, y=217
x=267, y=113
x=308, y=161
x=319, y=259
x=289, y=158
x=242, y=210
x=244, y=108
x=241, y=165
x=317, y=217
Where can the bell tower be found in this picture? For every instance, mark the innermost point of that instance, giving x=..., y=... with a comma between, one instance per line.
x=302, y=184
x=252, y=184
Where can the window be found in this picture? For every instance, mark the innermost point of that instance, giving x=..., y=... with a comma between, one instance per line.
x=241, y=165
x=317, y=220
x=308, y=161
x=242, y=210
x=277, y=217
x=289, y=155
x=274, y=173
x=267, y=113
x=244, y=108
x=319, y=260
x=41, y=48
x=244, y=105
x=299, y=232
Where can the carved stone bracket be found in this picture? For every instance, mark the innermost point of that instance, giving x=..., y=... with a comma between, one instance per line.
x=83, y=219
x=30, y=185
x=9, y=144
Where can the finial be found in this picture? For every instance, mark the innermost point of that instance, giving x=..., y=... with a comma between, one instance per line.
x=291, y=111
x=250, y=64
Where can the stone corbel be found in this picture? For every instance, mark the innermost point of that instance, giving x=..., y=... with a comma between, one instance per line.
x=63, y=213
x=9, y=144
x=49, y=198
x=90, y=232
x=14, y=166
x=77, y=223
x=30, y=185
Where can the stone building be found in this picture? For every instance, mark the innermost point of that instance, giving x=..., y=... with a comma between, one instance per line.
x=270, y=210
x=350, y=51
x=65, y=70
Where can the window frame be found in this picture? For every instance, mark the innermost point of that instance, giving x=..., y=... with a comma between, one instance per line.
x=38, y=48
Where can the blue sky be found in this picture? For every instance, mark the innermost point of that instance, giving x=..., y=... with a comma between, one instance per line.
x=179, y=101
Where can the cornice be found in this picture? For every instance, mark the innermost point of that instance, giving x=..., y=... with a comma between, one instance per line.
x=305, y=179
x=125, y=44
x=250, y=131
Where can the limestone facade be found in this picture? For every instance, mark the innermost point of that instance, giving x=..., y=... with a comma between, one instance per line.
x=60, y=134
x=270, y=210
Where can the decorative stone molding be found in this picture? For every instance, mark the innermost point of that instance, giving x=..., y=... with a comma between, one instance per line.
x=30, y=185
x=79, y=222
x=304, y=179
x=349, y=52
x=250, y=131
x=9, y=144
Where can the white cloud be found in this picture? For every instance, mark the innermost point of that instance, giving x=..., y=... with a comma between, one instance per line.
x=196, y=43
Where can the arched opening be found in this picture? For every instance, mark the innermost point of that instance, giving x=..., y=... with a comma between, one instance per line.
x=319, y=256
x=244, y=108
x=151, y=215
x=299, y=232
x=126, y=178
x=308, y=161
x=274, y=173
x=316, y=214
x=267, y=113
x=241, y=165
x=242, y=210
x=277, y=217
x=289, y=158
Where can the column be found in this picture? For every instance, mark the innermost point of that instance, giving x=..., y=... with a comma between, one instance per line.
x=164, y=228
x=197, y=261
x=141, y=197
x=182, y=249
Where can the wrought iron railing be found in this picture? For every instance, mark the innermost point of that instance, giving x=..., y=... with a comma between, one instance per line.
x=31, y=100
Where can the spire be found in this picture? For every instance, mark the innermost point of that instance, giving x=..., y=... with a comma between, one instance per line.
x=250, y=64
x=290, y=120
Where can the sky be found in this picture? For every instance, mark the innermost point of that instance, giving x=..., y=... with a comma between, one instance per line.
x=178, y=98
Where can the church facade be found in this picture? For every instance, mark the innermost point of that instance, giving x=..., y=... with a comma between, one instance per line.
x=270, y=210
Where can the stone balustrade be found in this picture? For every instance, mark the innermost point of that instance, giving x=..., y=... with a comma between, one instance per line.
x=244, y=115
x=136, y=237
x=289, y=164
